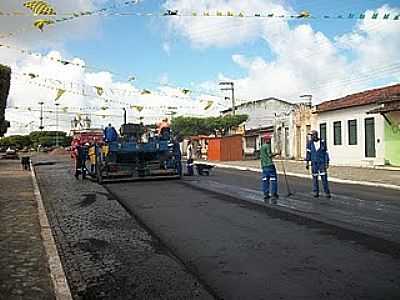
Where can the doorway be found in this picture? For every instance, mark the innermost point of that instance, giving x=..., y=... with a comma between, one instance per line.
x=370, y=150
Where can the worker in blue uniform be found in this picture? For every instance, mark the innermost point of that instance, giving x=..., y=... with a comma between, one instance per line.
x=110, y=134
x=317, y=154
x=178, y=155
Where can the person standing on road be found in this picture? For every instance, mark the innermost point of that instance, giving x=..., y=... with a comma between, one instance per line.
x=317, y=154
x=189, y=156
x=269, y=175
x=178, y=155
x=110, y=134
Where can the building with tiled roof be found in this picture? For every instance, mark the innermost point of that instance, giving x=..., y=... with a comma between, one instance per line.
x=363, y=128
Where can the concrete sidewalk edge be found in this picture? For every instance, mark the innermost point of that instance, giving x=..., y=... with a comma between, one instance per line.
x=60, y=284
x=332, y=179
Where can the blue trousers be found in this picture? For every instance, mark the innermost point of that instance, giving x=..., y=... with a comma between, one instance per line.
x=189, y=166
x=269, y=176
x=318, y=169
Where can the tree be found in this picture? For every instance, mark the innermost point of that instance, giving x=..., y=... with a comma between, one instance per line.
x=190, y=126
x=18, y=141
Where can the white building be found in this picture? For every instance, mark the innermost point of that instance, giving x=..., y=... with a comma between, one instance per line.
x=354, y=136
x=270, y=115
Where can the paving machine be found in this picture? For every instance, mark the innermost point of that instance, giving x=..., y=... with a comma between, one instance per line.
x=138, y=153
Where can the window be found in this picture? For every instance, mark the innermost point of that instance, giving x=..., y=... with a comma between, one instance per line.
x=322, y=131
x=352, y=126
x=337, y=133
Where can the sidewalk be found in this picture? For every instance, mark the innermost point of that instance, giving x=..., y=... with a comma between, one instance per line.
x=24, y=269
x=376, y=177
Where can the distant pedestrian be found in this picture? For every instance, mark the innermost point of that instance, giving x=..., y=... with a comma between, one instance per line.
x=81, y=156
x=25, y=162
x=110, y=134
x=178, y=155
x=269, y=176
x=317, y=154
x=189, y=156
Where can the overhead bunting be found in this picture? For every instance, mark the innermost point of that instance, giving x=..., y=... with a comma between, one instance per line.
x=304, y=14
x=99, y=90
x=209, y=104
x=60, y=92
x=40, y=7
x=139, y=108
x=145, y=92
x=45, y=9
x=41, y=23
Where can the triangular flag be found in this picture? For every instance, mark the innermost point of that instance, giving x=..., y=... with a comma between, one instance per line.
x=209, y=104
x=99, y=90
x=40, y=23
x=139, y=108
x=145, y=92
x=40, y=8
x=60, y=92
x=304, y=14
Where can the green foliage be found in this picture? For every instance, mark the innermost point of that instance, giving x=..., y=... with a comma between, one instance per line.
x=19, y=141
x=36, y=138
x=189, y=126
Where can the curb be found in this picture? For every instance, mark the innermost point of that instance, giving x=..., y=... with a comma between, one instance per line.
x=60, y=284
x=331, y=179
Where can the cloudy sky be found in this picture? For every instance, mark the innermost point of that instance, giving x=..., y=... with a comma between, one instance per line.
x=265, y=57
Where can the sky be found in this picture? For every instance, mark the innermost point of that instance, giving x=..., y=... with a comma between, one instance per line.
x=264, y=57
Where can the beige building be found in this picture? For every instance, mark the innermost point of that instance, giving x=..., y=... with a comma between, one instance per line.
x=304, y=120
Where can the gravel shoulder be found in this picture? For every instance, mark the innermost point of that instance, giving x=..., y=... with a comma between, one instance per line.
x=107, y=253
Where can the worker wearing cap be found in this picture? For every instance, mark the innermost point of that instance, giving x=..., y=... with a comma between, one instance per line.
x=317, y=154
x=110, y=134
x=269, y=175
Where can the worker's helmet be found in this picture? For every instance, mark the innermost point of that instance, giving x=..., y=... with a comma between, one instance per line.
x=267, y=137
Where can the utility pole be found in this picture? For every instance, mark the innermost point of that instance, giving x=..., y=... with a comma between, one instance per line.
x=41, y=127
x=232, y=89
x=57, y=104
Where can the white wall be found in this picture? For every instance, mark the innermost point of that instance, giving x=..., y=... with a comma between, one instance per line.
x=346, y=154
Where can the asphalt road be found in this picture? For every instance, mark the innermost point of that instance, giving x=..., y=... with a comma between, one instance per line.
x=370, y=210
x=240, y=250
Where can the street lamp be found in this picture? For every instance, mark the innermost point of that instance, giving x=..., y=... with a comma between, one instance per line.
x=57, y=105
x=232, y=89
x=41, y=127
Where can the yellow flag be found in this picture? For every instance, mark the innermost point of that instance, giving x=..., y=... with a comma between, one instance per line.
x=99, y=90
x=60, y=92
x=304, y=14
x=145, y=92
x=40, y=8
x=209, y=104
x=40, y=23
x=139, y=108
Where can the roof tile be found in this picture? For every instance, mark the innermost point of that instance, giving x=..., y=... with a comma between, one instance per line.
x=359, y=99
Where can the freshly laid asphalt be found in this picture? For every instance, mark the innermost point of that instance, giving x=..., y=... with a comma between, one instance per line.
x=370, y=210
x=240, y=250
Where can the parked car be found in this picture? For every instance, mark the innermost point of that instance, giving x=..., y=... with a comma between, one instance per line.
x=10, y=154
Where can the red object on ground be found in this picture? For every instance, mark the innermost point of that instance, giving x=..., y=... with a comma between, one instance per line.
x=227, y=148
x=86, y=136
